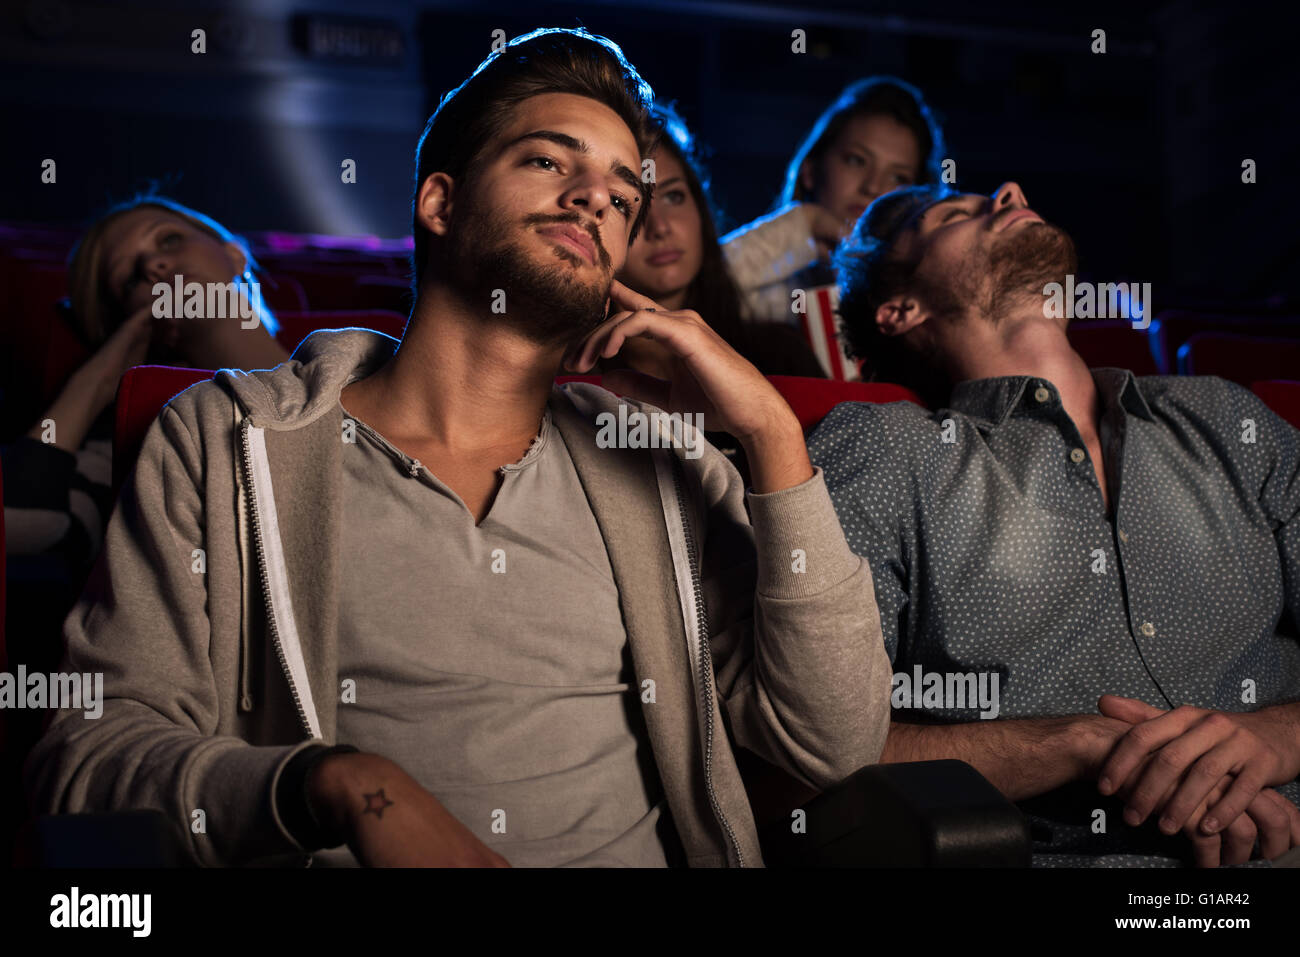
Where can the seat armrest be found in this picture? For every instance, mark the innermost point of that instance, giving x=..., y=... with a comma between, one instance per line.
x=919, y=814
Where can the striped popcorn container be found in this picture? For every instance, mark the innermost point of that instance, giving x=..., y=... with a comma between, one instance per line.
x=820, y=325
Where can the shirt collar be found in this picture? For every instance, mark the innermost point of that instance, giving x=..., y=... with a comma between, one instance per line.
x=993, y=400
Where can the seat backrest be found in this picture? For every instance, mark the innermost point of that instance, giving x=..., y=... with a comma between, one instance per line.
x=1112, y=343
x=32, y=329
x=391, y=293
x=1241, y=359
x=1171, y=328
x=331, y=286
x=1282, y=396
x=812, y=399
x=141, y=394
x=4, y=657
x=4, y=652
x=284, y=294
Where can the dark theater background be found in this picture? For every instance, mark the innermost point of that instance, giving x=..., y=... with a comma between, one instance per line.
x=1138, y=152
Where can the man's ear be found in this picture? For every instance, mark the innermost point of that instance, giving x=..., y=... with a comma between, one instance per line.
x=433, y=203
x=900, y=314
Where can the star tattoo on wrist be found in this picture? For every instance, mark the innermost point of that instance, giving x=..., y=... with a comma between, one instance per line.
x=376, y=803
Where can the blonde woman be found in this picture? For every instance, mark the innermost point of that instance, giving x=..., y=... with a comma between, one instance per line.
x=57, y=481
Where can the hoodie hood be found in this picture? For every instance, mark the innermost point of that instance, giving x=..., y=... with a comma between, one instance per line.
x=301, y=390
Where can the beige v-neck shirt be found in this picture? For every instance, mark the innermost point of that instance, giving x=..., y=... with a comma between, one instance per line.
x=491, y=662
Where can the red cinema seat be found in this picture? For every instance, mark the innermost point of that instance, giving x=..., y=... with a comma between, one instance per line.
x=141, y=394
x=1112, y=343
x=332, y=286
x=4, y=654
x=1242, y=359
x=296, y=326
x=38, y=285
x=1282, y=396
x=812, y=399
x=4, y=657
x=64, y=355
x=392, y=293
x=283, y=293
x=39, y=348
x=593, y=379
x=1170, y=329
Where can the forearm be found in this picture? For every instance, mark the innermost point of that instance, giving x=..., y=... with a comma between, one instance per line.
x=771, y=249
x=778, y=458
x=1022, y=758
x=814, y=699
x=73, y=412
x=336, y=787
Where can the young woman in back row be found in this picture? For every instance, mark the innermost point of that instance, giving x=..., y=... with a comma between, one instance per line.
x=878, y=135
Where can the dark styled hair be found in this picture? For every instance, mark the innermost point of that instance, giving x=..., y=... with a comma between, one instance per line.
x=712, y=293
x=870, y=273
x=544, y=61
x=872, y=96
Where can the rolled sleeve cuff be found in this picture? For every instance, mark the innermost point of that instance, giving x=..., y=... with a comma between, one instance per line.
x=800, y=544
x=287, y=775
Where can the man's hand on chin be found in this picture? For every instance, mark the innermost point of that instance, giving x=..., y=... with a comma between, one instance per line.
x=708, y=376
x=1208, y=774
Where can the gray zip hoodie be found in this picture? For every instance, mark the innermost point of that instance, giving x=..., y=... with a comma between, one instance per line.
x=212, y=614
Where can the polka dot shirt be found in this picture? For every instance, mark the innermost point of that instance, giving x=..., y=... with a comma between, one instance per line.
x=992, y=552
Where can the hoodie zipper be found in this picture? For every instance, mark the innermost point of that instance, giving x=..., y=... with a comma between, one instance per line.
x=705, y=659
x=266, y=588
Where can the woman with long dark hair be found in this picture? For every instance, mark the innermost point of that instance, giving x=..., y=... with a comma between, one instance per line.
x=677, y=261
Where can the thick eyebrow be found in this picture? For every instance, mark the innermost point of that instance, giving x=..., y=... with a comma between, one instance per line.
x=112, y=264
x=580, y=146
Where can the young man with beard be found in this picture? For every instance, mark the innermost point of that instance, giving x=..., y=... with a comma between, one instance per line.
x=438, y=623
x=1077, y=539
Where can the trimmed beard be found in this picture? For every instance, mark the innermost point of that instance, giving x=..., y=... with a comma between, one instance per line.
x=992, y=287
x=1019, y=268
x=549, y=305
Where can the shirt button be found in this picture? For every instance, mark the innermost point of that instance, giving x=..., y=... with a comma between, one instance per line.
x=1077, y=455
x=1148, y=629
x=1122, y=536
x=1041, y=394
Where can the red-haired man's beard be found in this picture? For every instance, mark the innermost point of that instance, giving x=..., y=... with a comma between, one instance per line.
x=1019, y=267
